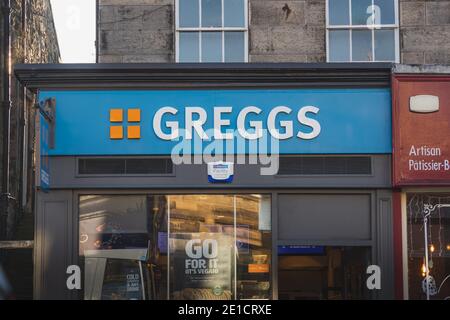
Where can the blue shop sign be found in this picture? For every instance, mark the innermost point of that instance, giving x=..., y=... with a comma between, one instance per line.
x=44, y=168
x=46, y=127
x=153, y=122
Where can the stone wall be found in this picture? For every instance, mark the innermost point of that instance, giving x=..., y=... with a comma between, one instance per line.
x=425, y=31
x=143, y=31
x=33, y=40
x=287, y=31
x=279, y=31
x=140, y=31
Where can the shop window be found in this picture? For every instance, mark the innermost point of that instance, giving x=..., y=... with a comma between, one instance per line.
x=123, y=239
x=176, y=246
x=254, y=247
x=436, y=231
x=122, y=280
x=211, y=31
x=220, y=247
x=362, y=31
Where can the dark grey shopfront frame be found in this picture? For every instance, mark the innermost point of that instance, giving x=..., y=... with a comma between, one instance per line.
x=61, y=205
x=56, y=227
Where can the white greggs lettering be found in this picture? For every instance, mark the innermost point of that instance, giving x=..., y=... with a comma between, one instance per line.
x=196, y=117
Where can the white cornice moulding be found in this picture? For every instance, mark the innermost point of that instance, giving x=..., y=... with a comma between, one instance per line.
x=424, y=103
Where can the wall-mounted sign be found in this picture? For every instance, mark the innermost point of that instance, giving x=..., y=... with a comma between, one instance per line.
x=421, y=130
x=146, y=122
x=46, y=137
x=220, y=172
x=424, y=103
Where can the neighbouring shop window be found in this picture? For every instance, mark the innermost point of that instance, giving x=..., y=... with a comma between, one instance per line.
x=175, y=246
x=323, y=273
x=436, y=208
x=362, y=31
x=211, y=30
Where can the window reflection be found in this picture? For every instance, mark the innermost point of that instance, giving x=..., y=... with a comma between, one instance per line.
x=118, y=231
x=220, y=247
x=254, y=243
x=112, y=222
x=438, y=235
x=201, y=247
x=176, y=246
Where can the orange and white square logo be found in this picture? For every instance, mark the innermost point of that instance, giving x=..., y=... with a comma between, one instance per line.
x=119, y=126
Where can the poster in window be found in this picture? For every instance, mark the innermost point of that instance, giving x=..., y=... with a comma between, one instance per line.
x=202, y=266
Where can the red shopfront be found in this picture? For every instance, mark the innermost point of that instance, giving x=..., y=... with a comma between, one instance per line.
x=421, y=178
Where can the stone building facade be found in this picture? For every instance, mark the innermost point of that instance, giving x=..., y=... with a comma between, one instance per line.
x=425, y=30
x=278, y=31
x=33, y=40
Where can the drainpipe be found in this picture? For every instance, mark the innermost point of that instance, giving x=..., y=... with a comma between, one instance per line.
x=6, y=108
x=23, y=113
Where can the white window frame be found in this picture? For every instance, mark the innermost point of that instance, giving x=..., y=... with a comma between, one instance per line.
x=179, y=29
x=372, y=27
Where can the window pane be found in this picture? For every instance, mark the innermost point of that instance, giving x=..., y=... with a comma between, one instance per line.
x=234, y=13
x=362, y=45
x=201, y=246
x=339, y=46
x=234, y=47
x=117, y=231
x=211, y=46
x=211, y=13
x=359, y=11
x=386, y=12
x=254, y=245
x=188, y=13
x=188, y=47
x=112, y=222
x=209, y=234
x=122, y=280
x=338, y=12
x=384, y=45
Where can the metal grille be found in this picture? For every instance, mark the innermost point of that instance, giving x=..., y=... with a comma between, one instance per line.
x=315, y=165
x=125, y=166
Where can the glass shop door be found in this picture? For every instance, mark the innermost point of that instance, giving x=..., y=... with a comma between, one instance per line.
x=322, y=272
